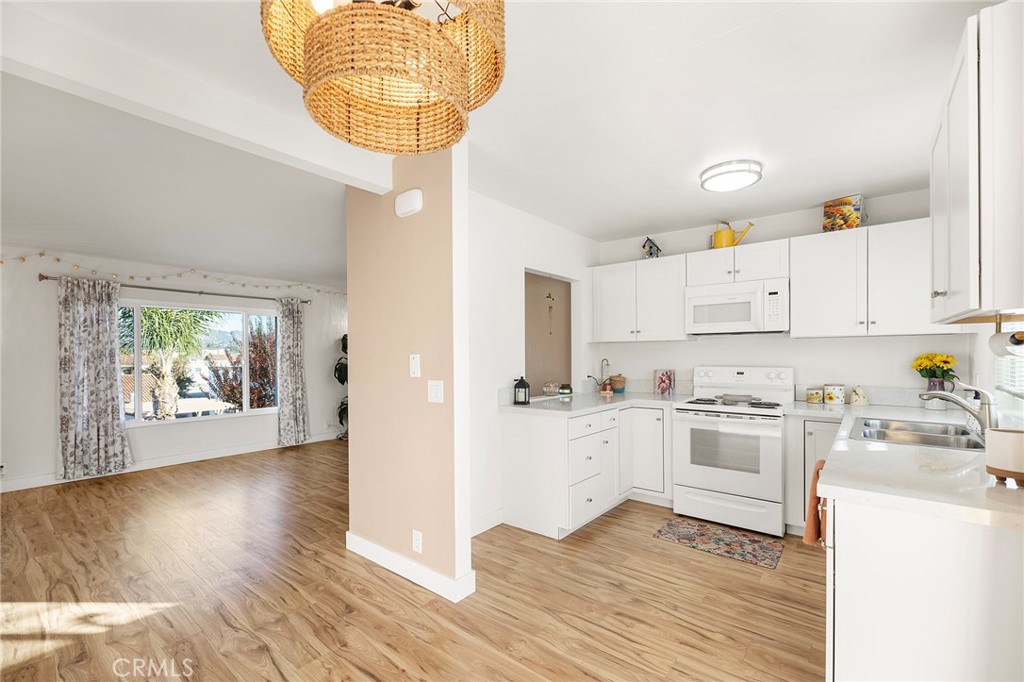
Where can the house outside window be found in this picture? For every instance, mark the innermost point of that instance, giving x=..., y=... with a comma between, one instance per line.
x=184, y=362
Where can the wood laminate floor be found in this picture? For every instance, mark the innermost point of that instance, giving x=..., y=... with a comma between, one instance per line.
x=236, y=569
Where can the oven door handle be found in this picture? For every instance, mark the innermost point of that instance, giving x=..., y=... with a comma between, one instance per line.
x=743, y=430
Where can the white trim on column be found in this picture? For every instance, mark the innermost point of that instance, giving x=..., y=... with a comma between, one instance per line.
x=452, y=589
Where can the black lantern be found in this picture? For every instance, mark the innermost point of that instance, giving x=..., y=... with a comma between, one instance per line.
x=522, y=392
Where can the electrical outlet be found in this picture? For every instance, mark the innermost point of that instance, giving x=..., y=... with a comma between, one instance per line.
x=417, y=541
x=414, y=366
x=1, y=470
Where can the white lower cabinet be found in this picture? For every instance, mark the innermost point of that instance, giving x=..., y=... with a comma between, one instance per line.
x=807, y=441
x=911, y=596
x=559, y=473
x=642, y=449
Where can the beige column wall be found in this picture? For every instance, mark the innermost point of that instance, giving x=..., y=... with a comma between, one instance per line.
x=401, y=461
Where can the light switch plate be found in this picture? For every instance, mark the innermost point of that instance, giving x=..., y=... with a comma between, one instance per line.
x=414, y=366
x=435, y=391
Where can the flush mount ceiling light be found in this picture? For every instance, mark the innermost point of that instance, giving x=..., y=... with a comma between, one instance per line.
x=730, y=176
x=384, y=77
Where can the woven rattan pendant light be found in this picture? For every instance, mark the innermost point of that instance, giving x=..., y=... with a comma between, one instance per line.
x=385, y=78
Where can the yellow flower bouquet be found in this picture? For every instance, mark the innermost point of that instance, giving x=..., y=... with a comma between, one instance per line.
x=935, y=366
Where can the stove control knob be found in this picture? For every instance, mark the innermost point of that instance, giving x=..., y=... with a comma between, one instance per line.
x=782, y=375
x=701, y=373
x=771, y=376
x=710, y=374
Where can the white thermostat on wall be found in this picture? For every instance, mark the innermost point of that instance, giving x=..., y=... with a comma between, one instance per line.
x=409, y=203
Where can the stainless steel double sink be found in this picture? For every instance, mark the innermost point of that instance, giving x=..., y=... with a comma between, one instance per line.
x=917, y=433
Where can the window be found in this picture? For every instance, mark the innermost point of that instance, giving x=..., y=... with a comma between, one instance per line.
x=187, y=363
x=1010, y=370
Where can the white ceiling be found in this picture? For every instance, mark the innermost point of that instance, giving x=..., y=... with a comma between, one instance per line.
x=608, y=113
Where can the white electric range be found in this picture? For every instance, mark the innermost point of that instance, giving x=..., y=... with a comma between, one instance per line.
x=727, y=459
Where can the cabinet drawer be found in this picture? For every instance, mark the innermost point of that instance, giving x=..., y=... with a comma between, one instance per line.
x=587, y=499
x=583, y=426
x=609, y=419
x=585, y=457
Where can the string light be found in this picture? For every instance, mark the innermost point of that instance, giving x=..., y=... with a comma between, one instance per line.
x=178, y=274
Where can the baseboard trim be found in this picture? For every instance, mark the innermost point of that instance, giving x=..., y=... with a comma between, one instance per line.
x=486, y=522
x=452, y=589
x=26, y=482
x=651, y=498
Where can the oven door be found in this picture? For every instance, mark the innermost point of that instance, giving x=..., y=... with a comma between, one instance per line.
x=735, y=454
x=725, y=308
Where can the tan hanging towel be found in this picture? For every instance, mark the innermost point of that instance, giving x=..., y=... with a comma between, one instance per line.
x=816, y=511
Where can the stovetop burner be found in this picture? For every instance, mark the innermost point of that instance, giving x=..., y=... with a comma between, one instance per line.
x=764, y=404
x=702, y=401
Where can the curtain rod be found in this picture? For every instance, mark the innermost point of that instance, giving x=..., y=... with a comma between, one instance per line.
x=43, y=278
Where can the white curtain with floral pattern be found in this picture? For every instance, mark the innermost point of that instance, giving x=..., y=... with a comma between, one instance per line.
x=92, y=435
x=293, y=410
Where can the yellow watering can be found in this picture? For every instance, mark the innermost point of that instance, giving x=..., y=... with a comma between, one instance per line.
x=726, y=236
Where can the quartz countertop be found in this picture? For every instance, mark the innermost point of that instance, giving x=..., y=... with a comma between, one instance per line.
x=941, y=482
x=579, y=404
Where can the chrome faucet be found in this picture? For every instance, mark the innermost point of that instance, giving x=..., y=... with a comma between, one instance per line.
x=985, y=413
x=600, y=382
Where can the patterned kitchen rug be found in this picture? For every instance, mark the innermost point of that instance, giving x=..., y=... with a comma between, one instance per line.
x=752, y=548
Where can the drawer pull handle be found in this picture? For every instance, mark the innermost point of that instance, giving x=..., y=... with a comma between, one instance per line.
x=589, y=458
x=589, y=425
x=658, y=419
x=590, y=499
x=605, y=442
x=937, y=294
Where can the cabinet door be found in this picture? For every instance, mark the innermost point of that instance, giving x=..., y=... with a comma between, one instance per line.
x=828, y=284
x=648, y=449
x=615, y=302
x=963, y=282
x=713, y=266
x=899, y=281
x=659, y=299
x=626, y=453
x=767, y=260
x=939, y=206
x=818, y=439
x=610, y=463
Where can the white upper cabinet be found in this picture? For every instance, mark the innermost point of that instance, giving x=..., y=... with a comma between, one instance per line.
x=868, y=281
x=640, y=300
x=977, y=181
x=713, y=266
x=615, y=302
x=899, y=294
x=764, y=260
x=828, y=284
x=659, y=299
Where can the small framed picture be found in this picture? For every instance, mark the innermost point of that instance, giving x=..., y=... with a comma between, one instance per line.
x=664, y=381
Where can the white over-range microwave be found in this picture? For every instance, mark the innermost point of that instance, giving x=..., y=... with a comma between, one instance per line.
x=738, y=307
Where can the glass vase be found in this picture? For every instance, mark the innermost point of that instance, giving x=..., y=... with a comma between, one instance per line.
x=936, y=384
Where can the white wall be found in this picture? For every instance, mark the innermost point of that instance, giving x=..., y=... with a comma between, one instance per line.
x=504, y=242
x=30, y=450
x=884, y=209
